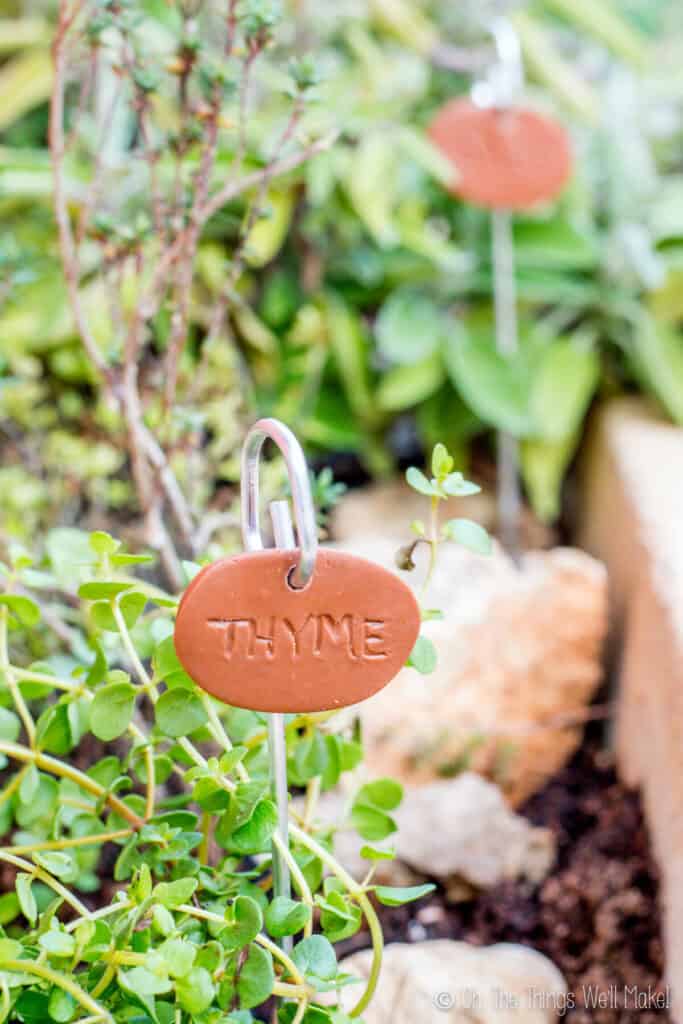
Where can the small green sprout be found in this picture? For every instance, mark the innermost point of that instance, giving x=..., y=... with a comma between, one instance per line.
x=445, y=483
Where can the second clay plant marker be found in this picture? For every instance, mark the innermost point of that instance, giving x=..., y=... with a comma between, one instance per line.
x=506, y=158
x=291, y=629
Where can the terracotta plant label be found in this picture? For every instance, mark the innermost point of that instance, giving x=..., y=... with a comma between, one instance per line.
x=507, y=159
x=247, y=637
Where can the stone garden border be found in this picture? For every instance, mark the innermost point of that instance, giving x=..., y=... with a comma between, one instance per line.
x=631, y=517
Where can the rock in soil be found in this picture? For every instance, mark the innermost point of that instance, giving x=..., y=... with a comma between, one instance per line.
x=447, y=982
x=463, y=827
x=519, y=659
x=456, y=827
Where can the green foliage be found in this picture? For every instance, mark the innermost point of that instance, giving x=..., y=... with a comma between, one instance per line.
x=191, y=933
x=286, y=917
x=445, y=483
x=469, y=534
x=359, y=287
x=316, y=959
x=423, y=656
x=370, y=811
x=391, y=896
x=112, y=710
x=180, y=711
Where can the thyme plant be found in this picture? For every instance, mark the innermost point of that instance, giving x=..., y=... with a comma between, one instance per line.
x=154, y=155
x=139, y=817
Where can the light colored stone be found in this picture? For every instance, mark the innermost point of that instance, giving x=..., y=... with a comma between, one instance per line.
x=519, y=659
x=446, y=982
x=463, y=827
x=631, y=513
x=456, y=827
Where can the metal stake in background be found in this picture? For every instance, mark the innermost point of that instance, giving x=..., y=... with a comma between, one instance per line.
x=500, y=89
x=283, y=531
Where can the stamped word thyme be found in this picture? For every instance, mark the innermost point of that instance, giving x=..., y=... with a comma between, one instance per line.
x=358, y=637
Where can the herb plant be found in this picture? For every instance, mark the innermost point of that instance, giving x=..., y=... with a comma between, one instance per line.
x=140, y=810
x=161, y=140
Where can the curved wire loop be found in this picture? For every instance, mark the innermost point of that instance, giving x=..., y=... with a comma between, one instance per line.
x=504, y=80
x=304, y=511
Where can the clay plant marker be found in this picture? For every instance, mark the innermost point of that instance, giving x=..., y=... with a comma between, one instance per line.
x=506, y=158
x=291, y=629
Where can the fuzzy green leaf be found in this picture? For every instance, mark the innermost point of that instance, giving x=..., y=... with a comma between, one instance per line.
x=172, y=894
x=103, y=617
x=144, y=984
x=102, y=591
x=369, y=813
x=256, y=978
x=58, y=863
x=132, y=607
x=405, y=386
x=22, y=608
x=339, y=916
x=423, y=656
x=10, y=949
x=102, y=543
x=442, y=463
x=112, y=710
x=496, y=387
x=27, y=900
x=62, y=1006
x=9, y=909
x=195, y=991
x=57, y=943
x=384, y=793
x=456, y=486
x=286, y=917
x=254, y=836
x=162, y=919
x=392, y=896
x=124, y=558
x=419, y=482
x=165, y=659
x=409, y=328
x=180, y=711
x=244, y=920
x=10, y=726
x=469, y=535
x=315, y=958
x=373, y=853
x=371, y=823
x=178, y=956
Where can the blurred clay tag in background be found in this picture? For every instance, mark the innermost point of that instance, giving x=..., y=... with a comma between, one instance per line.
x=248, y=638
x=507, y=159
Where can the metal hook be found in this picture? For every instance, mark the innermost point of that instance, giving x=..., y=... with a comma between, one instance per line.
x=304, y=512
x=505, y=78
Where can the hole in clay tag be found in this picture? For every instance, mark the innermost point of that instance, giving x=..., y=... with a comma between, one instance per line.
x=502, y=159
x=248, y=638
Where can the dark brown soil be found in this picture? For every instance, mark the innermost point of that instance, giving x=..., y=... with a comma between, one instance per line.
x=596, y=916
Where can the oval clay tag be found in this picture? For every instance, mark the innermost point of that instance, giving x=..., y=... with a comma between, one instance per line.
x=503, y=159
x=245, y=636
